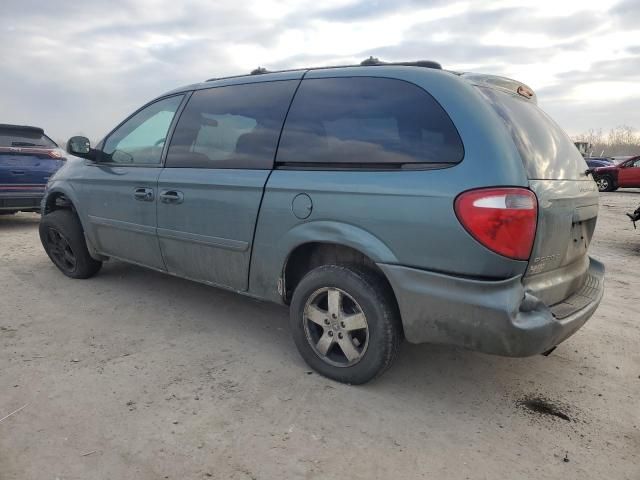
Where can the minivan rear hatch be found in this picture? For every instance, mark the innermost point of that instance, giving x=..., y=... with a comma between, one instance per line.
x=567, y=196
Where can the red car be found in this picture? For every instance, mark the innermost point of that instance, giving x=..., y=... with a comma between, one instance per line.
x=612, y=177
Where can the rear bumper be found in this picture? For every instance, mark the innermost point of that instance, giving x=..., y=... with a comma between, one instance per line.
x=496, y=317
x=21, y=200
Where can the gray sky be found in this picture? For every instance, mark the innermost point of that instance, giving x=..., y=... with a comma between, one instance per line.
x=81, y=66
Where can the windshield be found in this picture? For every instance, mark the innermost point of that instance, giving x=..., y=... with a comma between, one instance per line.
x=546, y=150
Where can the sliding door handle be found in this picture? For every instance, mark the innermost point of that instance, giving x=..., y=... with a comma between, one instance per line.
x=171, y=196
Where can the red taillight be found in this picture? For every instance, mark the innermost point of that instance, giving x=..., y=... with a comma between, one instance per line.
x=55, y=154
x=502, y=219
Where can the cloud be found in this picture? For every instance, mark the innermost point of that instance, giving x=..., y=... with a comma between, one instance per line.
x=592, y=113
x=627, y=69
x=627, y=13
x=473, y=23
x=373, y=9
x=81, y=67
x=102, y=60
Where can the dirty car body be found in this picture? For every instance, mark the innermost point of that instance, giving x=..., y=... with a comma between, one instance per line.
x=451, y=198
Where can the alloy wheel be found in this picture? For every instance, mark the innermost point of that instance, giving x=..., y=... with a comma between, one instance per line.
x=603, y=184
x=336, y=327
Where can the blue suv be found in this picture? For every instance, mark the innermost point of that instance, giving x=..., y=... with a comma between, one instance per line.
x=380, y=202
x=28, y=158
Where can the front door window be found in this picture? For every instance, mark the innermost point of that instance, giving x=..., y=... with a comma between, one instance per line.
x=140, y=140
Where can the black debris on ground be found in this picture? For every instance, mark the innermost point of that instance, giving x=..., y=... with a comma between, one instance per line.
x=543, y=406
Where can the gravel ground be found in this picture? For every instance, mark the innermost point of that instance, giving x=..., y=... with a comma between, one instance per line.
x=137, y=375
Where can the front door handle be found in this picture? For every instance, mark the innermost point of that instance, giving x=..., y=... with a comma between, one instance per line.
x=143, y=194
x=17, y=172
x=171, y=196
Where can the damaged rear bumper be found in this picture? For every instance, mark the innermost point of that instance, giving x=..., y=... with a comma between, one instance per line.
x=496, y=317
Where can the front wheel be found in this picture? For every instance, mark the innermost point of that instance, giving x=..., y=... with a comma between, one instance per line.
x=605, y=183
x=345, y=323
x=63, y=239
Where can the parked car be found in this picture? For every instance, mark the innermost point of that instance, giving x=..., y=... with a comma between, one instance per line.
x=28, y=158
x=379, y=202
x=594, y=162
x=623, y=175
x=621, y=158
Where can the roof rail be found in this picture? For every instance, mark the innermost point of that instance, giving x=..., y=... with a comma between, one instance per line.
x=369, y=62
x=373, y=61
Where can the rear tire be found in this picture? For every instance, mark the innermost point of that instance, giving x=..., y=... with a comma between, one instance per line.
x=345, y=323
x=605, y=183
x=63, y=239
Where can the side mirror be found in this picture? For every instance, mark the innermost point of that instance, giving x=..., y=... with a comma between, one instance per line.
x=79, y=146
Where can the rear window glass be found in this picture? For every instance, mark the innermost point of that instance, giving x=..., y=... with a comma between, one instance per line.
x=10, y=137
x=546, y=150
x=364, y=120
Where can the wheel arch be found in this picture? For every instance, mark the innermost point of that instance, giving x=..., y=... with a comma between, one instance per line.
x=58, y=198
x=331, y=243
x=308, y=243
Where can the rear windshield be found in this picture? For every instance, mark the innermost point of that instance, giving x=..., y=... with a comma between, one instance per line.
x=10, y=137
x=547, y=152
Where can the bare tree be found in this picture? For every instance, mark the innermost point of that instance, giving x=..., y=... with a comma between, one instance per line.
x=622, y=140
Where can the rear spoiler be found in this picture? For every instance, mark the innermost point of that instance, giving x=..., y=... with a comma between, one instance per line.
x=22, y=128
x=501, y=83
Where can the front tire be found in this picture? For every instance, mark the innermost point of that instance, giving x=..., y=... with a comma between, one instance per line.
x=63, y=239
x=345, y=323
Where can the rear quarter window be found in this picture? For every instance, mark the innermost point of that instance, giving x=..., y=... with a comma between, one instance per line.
x=367, y=121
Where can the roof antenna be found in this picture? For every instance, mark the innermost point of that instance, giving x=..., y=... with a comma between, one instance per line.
x=259, y=71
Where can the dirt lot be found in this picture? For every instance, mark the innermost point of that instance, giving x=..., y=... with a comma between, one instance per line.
x=137, y=375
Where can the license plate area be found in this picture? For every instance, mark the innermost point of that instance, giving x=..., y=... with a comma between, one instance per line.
x=580, y=240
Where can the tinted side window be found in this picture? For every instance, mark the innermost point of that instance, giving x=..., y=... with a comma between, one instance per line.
x=363, y=120
x=141, y=138
x=231, y=127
